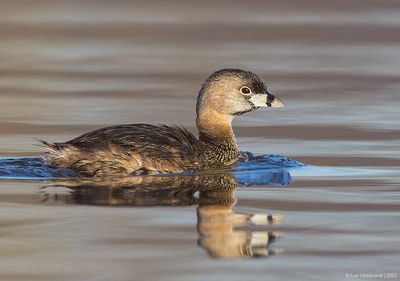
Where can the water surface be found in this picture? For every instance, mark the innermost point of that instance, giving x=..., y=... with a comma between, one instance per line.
x=67, y=67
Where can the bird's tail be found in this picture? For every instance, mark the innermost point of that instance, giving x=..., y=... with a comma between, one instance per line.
x=55, y=153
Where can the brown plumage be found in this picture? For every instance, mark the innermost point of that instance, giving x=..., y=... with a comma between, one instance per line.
x=149, y=149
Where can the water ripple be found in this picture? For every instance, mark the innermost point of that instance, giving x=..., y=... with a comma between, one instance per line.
x=251, y=170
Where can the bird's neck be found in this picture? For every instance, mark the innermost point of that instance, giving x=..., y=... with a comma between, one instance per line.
x=215, y=129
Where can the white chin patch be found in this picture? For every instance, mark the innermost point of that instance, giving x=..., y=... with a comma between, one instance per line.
x=259, y=100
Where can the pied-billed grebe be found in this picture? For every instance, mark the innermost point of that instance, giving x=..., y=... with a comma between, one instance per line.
x=148, y=149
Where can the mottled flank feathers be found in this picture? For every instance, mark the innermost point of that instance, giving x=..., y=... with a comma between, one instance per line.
x=132, y=149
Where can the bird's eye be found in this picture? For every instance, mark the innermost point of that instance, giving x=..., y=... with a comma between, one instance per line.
x=245, y=90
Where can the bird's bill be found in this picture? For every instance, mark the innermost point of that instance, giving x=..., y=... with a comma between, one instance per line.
x=266, y=100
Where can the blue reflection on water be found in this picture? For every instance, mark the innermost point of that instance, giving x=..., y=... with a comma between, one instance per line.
x=265, y=169
x=251, y=170
x=31, y=169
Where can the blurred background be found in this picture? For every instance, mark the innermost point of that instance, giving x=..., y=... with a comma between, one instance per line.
x=70, y=66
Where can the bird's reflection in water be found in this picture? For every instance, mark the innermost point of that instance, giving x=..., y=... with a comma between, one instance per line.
x=217, y=225
x=214, y=194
